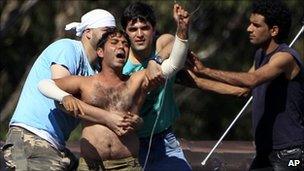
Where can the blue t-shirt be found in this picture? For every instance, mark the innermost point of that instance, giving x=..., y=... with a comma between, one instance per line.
x=38, y=111
x=159, y=100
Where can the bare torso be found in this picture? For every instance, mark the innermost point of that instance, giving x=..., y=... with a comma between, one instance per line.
x=98, y=142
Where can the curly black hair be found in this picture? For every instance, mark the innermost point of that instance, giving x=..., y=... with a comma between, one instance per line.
x=276, y=13
x=111, y=32
x=138, y=10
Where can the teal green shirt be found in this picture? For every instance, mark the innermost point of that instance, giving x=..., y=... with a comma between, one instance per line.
x=159, y=100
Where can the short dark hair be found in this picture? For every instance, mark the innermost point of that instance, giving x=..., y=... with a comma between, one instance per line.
x=276, y=13
x=138, y=10
x=111, y=32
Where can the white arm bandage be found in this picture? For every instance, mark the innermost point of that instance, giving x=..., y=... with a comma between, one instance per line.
x=48, y=88
x=177, y=58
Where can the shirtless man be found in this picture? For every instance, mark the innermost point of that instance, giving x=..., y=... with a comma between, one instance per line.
x=117, y=93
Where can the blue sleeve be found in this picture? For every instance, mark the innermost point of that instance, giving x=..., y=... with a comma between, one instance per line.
x=65, y=53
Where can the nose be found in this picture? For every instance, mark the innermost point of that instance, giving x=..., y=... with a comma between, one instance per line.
x=249, y=28
x=139, y=33
x=120, y=44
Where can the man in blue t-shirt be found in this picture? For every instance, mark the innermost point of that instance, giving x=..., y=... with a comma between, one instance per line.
x=277, y=82
x=38, y=129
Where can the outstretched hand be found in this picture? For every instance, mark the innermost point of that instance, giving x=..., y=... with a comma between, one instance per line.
x=181, y=17
x=193, y=62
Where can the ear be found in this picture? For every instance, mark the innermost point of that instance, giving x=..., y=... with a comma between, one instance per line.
x=99, y=52
x=274, y=31
x=88, y=33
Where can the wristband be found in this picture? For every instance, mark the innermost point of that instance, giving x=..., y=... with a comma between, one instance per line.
x=157, y=59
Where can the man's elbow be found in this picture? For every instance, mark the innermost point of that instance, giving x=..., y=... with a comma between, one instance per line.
x=244, y=92
x=250, y=82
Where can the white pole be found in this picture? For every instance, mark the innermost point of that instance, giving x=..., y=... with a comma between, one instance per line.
x=242, y=110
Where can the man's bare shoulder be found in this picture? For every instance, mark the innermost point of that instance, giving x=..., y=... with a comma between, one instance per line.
x=164, y=39
x=282, y=58
x=138, y=75
x=164, y=45
x=81, y=78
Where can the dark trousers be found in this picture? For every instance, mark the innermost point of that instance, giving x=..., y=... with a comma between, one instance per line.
x=289, y=159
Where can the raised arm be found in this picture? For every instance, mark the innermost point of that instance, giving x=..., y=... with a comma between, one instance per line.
x=173, y=50
x=177, y=57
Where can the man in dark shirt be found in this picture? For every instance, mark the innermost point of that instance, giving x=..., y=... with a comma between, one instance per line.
x=277, y=82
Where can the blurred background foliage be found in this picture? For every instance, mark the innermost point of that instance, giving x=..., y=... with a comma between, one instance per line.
x=218, y=35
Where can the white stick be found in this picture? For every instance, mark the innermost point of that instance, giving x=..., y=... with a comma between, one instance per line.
x=242, y=110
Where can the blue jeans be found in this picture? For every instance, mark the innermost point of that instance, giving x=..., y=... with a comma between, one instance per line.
x=165, y=153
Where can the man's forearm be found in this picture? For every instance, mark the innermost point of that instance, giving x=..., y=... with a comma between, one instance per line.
x=182, y=33
x=93, y=114
x=221, y=88
x=51, y=90
x=177, y=58
x=242, y=79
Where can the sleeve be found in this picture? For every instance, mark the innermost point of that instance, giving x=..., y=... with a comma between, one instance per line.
x=177, y=58
x=49, y=89
x=64, y=52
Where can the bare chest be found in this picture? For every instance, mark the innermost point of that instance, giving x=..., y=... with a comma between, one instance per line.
x=110, y=97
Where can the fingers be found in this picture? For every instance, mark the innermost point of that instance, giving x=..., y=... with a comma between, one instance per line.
x=80, y=107
x=191, y=74
x=75, y=109
x=129, y=129
x=194, y=56
x=153, y=81
x=180, y=11
x=146, y=82
x=72, y=104
x=189, y=63
x=65, y=105
x=175, y=8
x=120, y=131
x=66, y=102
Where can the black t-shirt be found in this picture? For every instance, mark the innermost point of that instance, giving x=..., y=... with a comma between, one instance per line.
x=278, y=106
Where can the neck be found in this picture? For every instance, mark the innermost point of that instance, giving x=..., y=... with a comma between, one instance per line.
x=89, y=50
x=111, y=74
x=270, y=46
x=137, y=57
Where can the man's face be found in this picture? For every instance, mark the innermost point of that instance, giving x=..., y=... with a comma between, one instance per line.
x=115, y=51
x=141, y=34
x=96, y=35
x=259, y=32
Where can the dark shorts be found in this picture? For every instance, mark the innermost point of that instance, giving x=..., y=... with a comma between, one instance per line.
x=24, y=150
